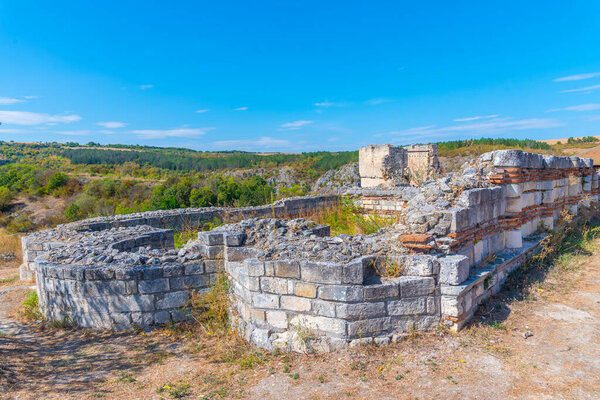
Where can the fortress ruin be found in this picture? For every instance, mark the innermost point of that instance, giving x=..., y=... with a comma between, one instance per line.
x=292, y=285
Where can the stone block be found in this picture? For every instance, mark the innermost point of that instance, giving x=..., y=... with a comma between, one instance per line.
x=254, y=267
x=305, y=290
x=330, y=325
x=234, y=239
x=454, y=269
x=239, y=254
x=188, y=282
x=131, y=303
x=450, y=306
x=408, y=306
x=287, y=269
x=274, y=285
x=264, y=300
x=418, y=265
x=172, y=300
x=153, y=286
x=294, y=303
x=173, y=270
x=196, y=268
x=277, y=319
x=321, y=272
x=413, y=286
x=369, y=327
x=341, y=293
x=514, y=239
x=353, y=272
x=324, y=308
x=211, y=238
x=386, y=290
x=360, y=310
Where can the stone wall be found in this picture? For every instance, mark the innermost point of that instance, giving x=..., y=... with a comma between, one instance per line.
x=190, y=218
x=388, y=166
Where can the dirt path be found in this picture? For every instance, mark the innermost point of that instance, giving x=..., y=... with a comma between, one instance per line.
x=546, y=346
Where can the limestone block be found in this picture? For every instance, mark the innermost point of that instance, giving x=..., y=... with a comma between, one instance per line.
x=264, y=300
x=153, y=286
x=324, y=308
x=360, y=310
x=514, y=239
x=414, y=286
x=305, y=290
x=277, y=319
x=332, y=325
x=369, y=327
x=294, y=303
x=321, y=272
x=173, y=300
x=274, y=285
x=341, y=293
x=287, y=269
x=514, y=205
x=451, y=306
x=454, y=269
x=409, y=306
x=211, y=238
x=381, y=291
x=254, y=267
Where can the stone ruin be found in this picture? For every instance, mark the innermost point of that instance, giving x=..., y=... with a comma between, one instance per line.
x=389, y=166
x=292, y=285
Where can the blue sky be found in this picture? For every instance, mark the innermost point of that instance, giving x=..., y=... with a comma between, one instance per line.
x=297, y=75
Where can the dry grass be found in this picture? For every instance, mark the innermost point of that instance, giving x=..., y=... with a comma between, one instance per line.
x=11, y=244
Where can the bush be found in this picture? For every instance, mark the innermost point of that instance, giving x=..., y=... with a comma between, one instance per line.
x=73, y=212
x=5, y=197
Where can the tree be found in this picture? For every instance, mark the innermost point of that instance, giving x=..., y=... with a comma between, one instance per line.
x=5, y=197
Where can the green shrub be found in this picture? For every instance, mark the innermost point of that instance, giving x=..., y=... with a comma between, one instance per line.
x=6, y=197
x=73, y=212
x=31, y=308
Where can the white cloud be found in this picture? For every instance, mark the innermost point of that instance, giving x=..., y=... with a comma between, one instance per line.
x=581, y=107
x=475, y=118
x=146, y=87
x=201, y=111
x=263, y=143
x=374, y=102
x=164, y=133
x=583, y=89
x=333, y=139
x=328, y=103
x=10, y=100
x=30, y=97
x=577, y=77
x=30, y=118
x=480, y=128
x=295, y=125
x=112, y=124
x=240, y=109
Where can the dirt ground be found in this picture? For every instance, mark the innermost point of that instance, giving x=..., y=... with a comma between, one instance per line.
x=544, y=346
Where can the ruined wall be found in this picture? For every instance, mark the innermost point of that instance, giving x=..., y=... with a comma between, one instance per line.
x=39, y=243
x=382, y=164
x=295, y=287
x=389, y=166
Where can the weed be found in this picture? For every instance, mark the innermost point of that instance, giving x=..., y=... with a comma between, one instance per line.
x=126, y=378
x=210, y=311
x=9, y=280
x=176, y=391
x=31, y=307
x=321, y=379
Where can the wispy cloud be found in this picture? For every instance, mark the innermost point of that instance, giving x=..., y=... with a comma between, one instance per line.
x=262, y=143
x=30, y=118
x=583, y=89
x=577, y=77
x=164, y=133
x=146, y=87
x=202, y=111
x=112, y=124
x=581, y=107
x=466, y=119
x=374, y=102
x=10, y=100
x=327, y=103
x=240, y=109
x=295, y=125
x=480, y=128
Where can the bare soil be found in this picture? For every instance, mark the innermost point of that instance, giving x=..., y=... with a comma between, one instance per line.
x=542, y=343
